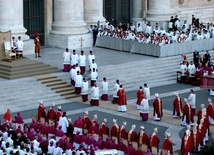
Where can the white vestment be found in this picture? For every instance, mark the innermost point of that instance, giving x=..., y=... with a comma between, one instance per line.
x=95, y=93
x=84, y=89
x=78, y=80
x=116, y=88
x=94, y=75
x=90, y=58
x=183, y=69
x=19, y=45
x=93, y=65
x=74, y=59
x=104, y=87
x=82, y=60
x=191, y=100
x=66, y=58
x=64, y=123
x=144, y=106
x=147, y=92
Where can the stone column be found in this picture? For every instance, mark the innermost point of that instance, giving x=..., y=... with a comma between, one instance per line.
x=68, y=17
x=137, y=10
x=93, y=12
x=160, y=10
x=11, y=18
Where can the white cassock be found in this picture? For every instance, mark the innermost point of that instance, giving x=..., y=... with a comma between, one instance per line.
x=183, y=69
x=66, y=58
x=64, y=123
x=90, y=58
x=95, y=93
x=74, y=59
x=93, y=65
x=116, y=88
x=191, y=70
x=104, y=87
x=78, y=80
x=147, y=92
x=94, y=75
x=144, y=106
x=84, y=90
x=73, y=73
x=20, y=46
x=192, y=99
x=82, y=60
x=149, y=29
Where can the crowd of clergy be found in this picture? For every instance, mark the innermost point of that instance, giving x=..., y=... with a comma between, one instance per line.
x=53, y=133
x=177, y=31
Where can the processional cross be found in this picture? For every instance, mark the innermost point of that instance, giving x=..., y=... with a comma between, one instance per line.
x=81, y=43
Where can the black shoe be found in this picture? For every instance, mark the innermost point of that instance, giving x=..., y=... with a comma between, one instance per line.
x=35, y=56
x=39, y=56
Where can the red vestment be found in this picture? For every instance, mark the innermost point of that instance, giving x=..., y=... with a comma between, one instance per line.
x=140, y=96
x=41, y=112
x=132, y=136
x=93, y=130
x=7, y=116
x=202, y=132
x=187, y=113
x=130, y=150
x=143, y=138
x=154, y=141
x=122, y=97
x=167, y=145
x=177, y=104
x=78, y=123
x=115, y=131
x=104, y=130
x=87, y=122
x=196, y=139
x=121, y=146
x=96, y=123
x=157, y=105
x=186, y=144
x=51, y=114
x=123, y=133
x=199, y=115
x=210, y=110
x=58, y=115
x=44, y=130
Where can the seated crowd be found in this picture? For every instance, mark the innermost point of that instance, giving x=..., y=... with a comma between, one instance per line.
x=177, y=32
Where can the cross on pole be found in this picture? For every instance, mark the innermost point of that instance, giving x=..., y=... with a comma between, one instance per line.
x=81, y=42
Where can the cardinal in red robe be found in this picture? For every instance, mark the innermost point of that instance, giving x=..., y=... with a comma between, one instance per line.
x=140, y=96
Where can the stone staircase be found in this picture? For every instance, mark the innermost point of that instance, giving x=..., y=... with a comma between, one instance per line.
x=57, y=85
x=24, y=68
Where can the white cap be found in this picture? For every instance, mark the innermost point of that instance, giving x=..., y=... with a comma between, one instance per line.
x=209, y=100
x=156, y=95
x=124, y=123
x=202, y=106
x=52, y=104
x=59, y=107
x=133, y=126
x=185, y=100
x=69, y=120
x=142, y=127
x=105, y=120
x=114, y=121
x=176, y=94
x=156, y=129
x=95, y=116
x=167, y=134
x=40, y=101
x=188, y=127
x=86, y=112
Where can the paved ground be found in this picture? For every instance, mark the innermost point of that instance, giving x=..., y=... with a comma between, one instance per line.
x=105, y=57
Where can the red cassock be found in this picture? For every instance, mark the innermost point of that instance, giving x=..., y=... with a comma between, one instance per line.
x=115, y=131
x=202, y=132
x=84, y=139
x=140, y=96
x=167, y=145
x=112, y=145
x=52, y=130
x=196, y=139
x=78, y=123
x=7, y=116
x=187, y=113
x=130, y=150
x=44, y=130
x=99, y=144
x=41, y=112
x=58, y=115
x=87, y=122
x=93, y=130
x=206, y=123
x=154, y=141
x=96, y=123
x=177, y=103
x=210, y=111
x=122, y=97
x=44, y=146
x=104, y=130
x=143, y=138
x=123, y=133
x=51, y=114
x=139, y=152
x=77, y=139
x=157, y=105
x=186, y=145
x=199, y=115
x=132, y=136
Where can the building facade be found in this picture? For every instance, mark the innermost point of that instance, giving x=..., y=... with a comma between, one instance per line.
x=62, y=23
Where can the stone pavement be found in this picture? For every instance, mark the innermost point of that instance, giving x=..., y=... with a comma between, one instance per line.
x=106, y=58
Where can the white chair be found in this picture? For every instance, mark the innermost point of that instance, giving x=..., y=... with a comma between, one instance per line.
x=8, y=52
